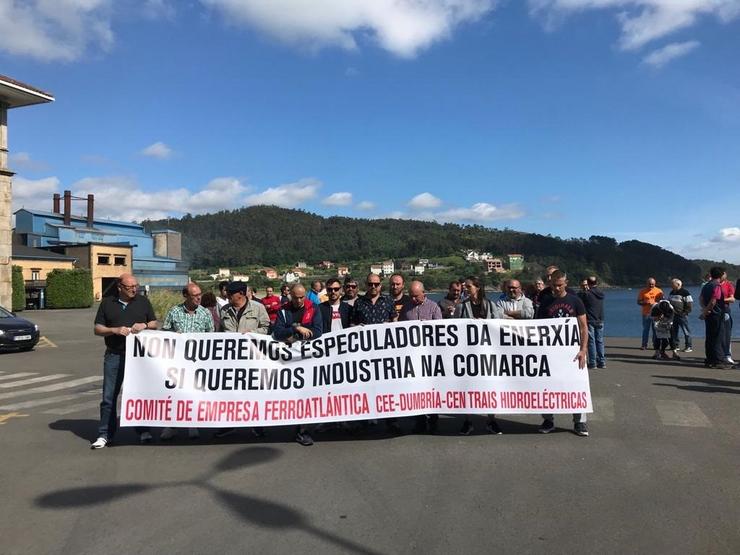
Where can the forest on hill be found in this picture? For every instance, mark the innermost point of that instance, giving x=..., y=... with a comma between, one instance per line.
x=268, y=235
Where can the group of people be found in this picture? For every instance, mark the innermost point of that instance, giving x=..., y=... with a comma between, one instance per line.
x=667, y=318
x=301, y=315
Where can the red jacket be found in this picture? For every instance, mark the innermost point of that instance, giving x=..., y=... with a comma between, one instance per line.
x=272, y=305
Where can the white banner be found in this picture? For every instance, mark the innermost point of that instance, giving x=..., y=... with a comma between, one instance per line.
x=367, y=372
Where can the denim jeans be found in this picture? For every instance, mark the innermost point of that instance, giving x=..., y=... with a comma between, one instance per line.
x=596, y=356
x=647, y=324
x=727, y=335
x=113, y=367
x=680, y=322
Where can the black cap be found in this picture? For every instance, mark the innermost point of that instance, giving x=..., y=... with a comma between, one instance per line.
x=236, y=287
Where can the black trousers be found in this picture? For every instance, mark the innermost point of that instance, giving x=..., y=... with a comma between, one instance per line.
x=714, y=339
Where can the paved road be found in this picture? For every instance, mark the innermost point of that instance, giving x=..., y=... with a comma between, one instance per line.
x=659, y=473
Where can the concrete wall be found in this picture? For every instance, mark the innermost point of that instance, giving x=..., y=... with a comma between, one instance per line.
x=6, y=275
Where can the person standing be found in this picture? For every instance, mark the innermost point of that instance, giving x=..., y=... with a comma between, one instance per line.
x=646, y=298
x=223, y=294
x=314, y=294
x=336, y=315
x=513, y=304
x=713, y=309
x=272, y=304
x=449, y=303
x=421, y=308
x=682, y=302
x=299, y=320
x=350, y=291
x=562, y=304
x=118, y=317
x=593, y=300
x=187, y=317
x=728, y=292
x=284, y=294
x=397, y=294
x=476, y=306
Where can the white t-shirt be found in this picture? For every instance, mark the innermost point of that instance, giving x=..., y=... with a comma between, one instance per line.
x=222, y=302
x=336, y=318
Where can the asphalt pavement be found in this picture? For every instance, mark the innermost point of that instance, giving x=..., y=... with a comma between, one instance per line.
x=659, y=473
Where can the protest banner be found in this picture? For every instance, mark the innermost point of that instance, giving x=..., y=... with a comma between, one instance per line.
x=365, y=372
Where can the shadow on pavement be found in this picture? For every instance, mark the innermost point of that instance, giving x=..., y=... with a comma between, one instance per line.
x=703, y=385
x=251, y=510
x=86, y=429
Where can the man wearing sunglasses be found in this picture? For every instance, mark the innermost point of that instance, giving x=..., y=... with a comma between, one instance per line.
x=117, y=318
x=350, y=291
x=335, y=314
x=374, y=308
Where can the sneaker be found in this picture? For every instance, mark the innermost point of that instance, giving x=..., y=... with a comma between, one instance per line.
x=643, y=348
x=304, y=438
x=492, y=427
x=729, y=360
x=580, y=429
x=99, y=443
x=259, y=432
x=547, y=427
x=688, y=350
x=223, y=432
x=193, y=433
x=167, y=434
x=467, y=428
x=602, y=365
x=145, y=437
x=656, y=356
x=675, y=356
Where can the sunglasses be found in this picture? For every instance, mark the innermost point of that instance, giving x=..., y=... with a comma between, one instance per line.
x=351, y=286
x=371, y=284
x=333, y=289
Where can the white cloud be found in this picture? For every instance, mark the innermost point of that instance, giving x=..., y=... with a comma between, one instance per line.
x=642, y=21
x=158, y=9
x=290, y=195
x=424, y=201
x=728, y=235
x=402, y=27
x=338, y=199
x=24, y=161
x=660, y=57
x=365, y=205
x=481, y=212
x=34, y=194
x=55, y=30
x=158, y=150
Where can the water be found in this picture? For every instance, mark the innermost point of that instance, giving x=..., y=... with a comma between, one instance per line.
x=623, y=316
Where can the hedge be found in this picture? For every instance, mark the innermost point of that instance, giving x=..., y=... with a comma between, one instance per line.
x=19, y=289
x=69, y=289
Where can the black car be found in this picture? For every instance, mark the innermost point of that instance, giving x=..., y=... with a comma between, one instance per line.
x=17, y=333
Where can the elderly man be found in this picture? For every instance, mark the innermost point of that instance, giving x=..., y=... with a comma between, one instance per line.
x=350, y=291
x=187, y=317
x=299, y=320
x=646, y=298
x=682, y=302
x=117, y=318
x=242, y=315
x=513, y=304
x=419, y=307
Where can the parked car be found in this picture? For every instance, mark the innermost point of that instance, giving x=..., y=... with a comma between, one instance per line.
x=17, y=333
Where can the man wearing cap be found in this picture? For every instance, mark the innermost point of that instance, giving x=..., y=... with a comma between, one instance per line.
x=242, y=315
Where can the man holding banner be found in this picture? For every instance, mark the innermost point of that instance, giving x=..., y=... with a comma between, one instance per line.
x=117, y=318
x=563, y=304
x=299, y=320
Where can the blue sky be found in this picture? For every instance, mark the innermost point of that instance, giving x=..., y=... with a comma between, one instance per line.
x=568, y=117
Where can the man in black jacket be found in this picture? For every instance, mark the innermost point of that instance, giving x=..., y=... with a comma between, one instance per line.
x=593, y=300
x=335, y=314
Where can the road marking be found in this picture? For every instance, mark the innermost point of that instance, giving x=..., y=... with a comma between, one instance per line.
x=45, y=342
x=32, y=380
x=74, y=408
x=48, y=400
x=603, y=409
x=52, y=387
x=18, y=375
x=5, y=417
x=682, y=413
